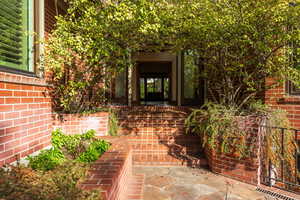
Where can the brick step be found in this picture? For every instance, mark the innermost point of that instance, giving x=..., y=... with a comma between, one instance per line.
x=195, y=147
x=140, y=124
x=146, y=114
x=136, y=187
x=160, y=138
x=159, y=131
x=152, y=120
x=169, y=160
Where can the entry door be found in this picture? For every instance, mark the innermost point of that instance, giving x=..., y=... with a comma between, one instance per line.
x=154, y=89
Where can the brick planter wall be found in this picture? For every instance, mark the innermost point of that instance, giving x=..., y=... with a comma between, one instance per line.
x=245, y=169
x=112, y=173
x=76, y=123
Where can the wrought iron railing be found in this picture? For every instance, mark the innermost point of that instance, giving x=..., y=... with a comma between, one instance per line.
x=280, y=176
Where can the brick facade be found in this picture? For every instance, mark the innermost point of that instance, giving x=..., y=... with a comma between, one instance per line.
x=76, y=123
x=25, y=116
x=279, y=98
x=25, y=109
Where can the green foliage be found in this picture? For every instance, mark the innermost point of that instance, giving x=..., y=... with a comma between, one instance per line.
x=61, y=183
x=72, y=145
x=222, y=129
x=238, y=43
x=80, y=147
x=113, y=124
x=92, y=43
x=219, y=130
x=46, y=159
x=93, y=152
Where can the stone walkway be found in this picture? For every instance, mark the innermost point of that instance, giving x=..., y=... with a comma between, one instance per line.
x=182, y=183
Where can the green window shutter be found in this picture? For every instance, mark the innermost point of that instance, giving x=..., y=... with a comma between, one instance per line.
x=14, y=34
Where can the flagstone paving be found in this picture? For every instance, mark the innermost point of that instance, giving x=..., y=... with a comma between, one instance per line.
x=182, y=183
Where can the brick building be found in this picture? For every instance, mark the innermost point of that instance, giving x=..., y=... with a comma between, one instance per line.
x=25, y=107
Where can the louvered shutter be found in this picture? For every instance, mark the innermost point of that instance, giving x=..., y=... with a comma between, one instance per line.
x=14, y=34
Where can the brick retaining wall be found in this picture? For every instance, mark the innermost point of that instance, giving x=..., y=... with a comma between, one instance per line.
x=76, y=123
x=112, y=173
x=242, y=169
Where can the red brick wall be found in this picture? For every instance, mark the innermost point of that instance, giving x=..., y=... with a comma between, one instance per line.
x=76, y=123
x=278, y=98
x=231, y=165
x=25, y=116
x=25, y=109
x=112, y=173
x=51, y=12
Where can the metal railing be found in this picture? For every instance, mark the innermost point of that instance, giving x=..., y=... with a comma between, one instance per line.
x=280, y=176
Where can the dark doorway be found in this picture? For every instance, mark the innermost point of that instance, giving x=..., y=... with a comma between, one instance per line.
x=154, y=85
x=154, y=89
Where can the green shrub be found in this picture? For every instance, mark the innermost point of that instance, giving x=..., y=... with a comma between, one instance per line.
x=61, y=183
x=113, y=124
x=219, y=129
x=72, y=145
x=46, y=159
x=96, y=148
x=80, y=147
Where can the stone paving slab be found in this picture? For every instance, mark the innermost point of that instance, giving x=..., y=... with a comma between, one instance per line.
x=183, y=183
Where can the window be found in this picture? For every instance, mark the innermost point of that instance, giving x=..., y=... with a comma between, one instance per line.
x=16, y=34
x=191, y=75
x=292, y=89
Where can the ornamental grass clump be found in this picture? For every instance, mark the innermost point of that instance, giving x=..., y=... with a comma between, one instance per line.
x=235, y=132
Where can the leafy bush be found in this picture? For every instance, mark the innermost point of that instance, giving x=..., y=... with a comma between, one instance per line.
x=72, y=145
x=221, y=129
x=46, y=160
x=80, y=147
x=61, y=183
x=96, y=148
x=113, y=124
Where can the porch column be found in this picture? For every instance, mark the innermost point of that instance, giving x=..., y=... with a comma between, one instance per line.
x=179, y=79
x=130, y=86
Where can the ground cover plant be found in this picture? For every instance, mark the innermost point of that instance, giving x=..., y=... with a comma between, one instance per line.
x=55, y=173
x=80, y=147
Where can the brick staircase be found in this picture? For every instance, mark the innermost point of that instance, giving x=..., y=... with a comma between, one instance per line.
x=157, y=136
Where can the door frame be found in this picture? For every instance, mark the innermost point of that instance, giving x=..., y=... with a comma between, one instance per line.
x=156, y=57
x=162, y=86
x=138, y=76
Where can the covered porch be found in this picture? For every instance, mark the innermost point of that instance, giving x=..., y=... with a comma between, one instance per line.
x=162, y=78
